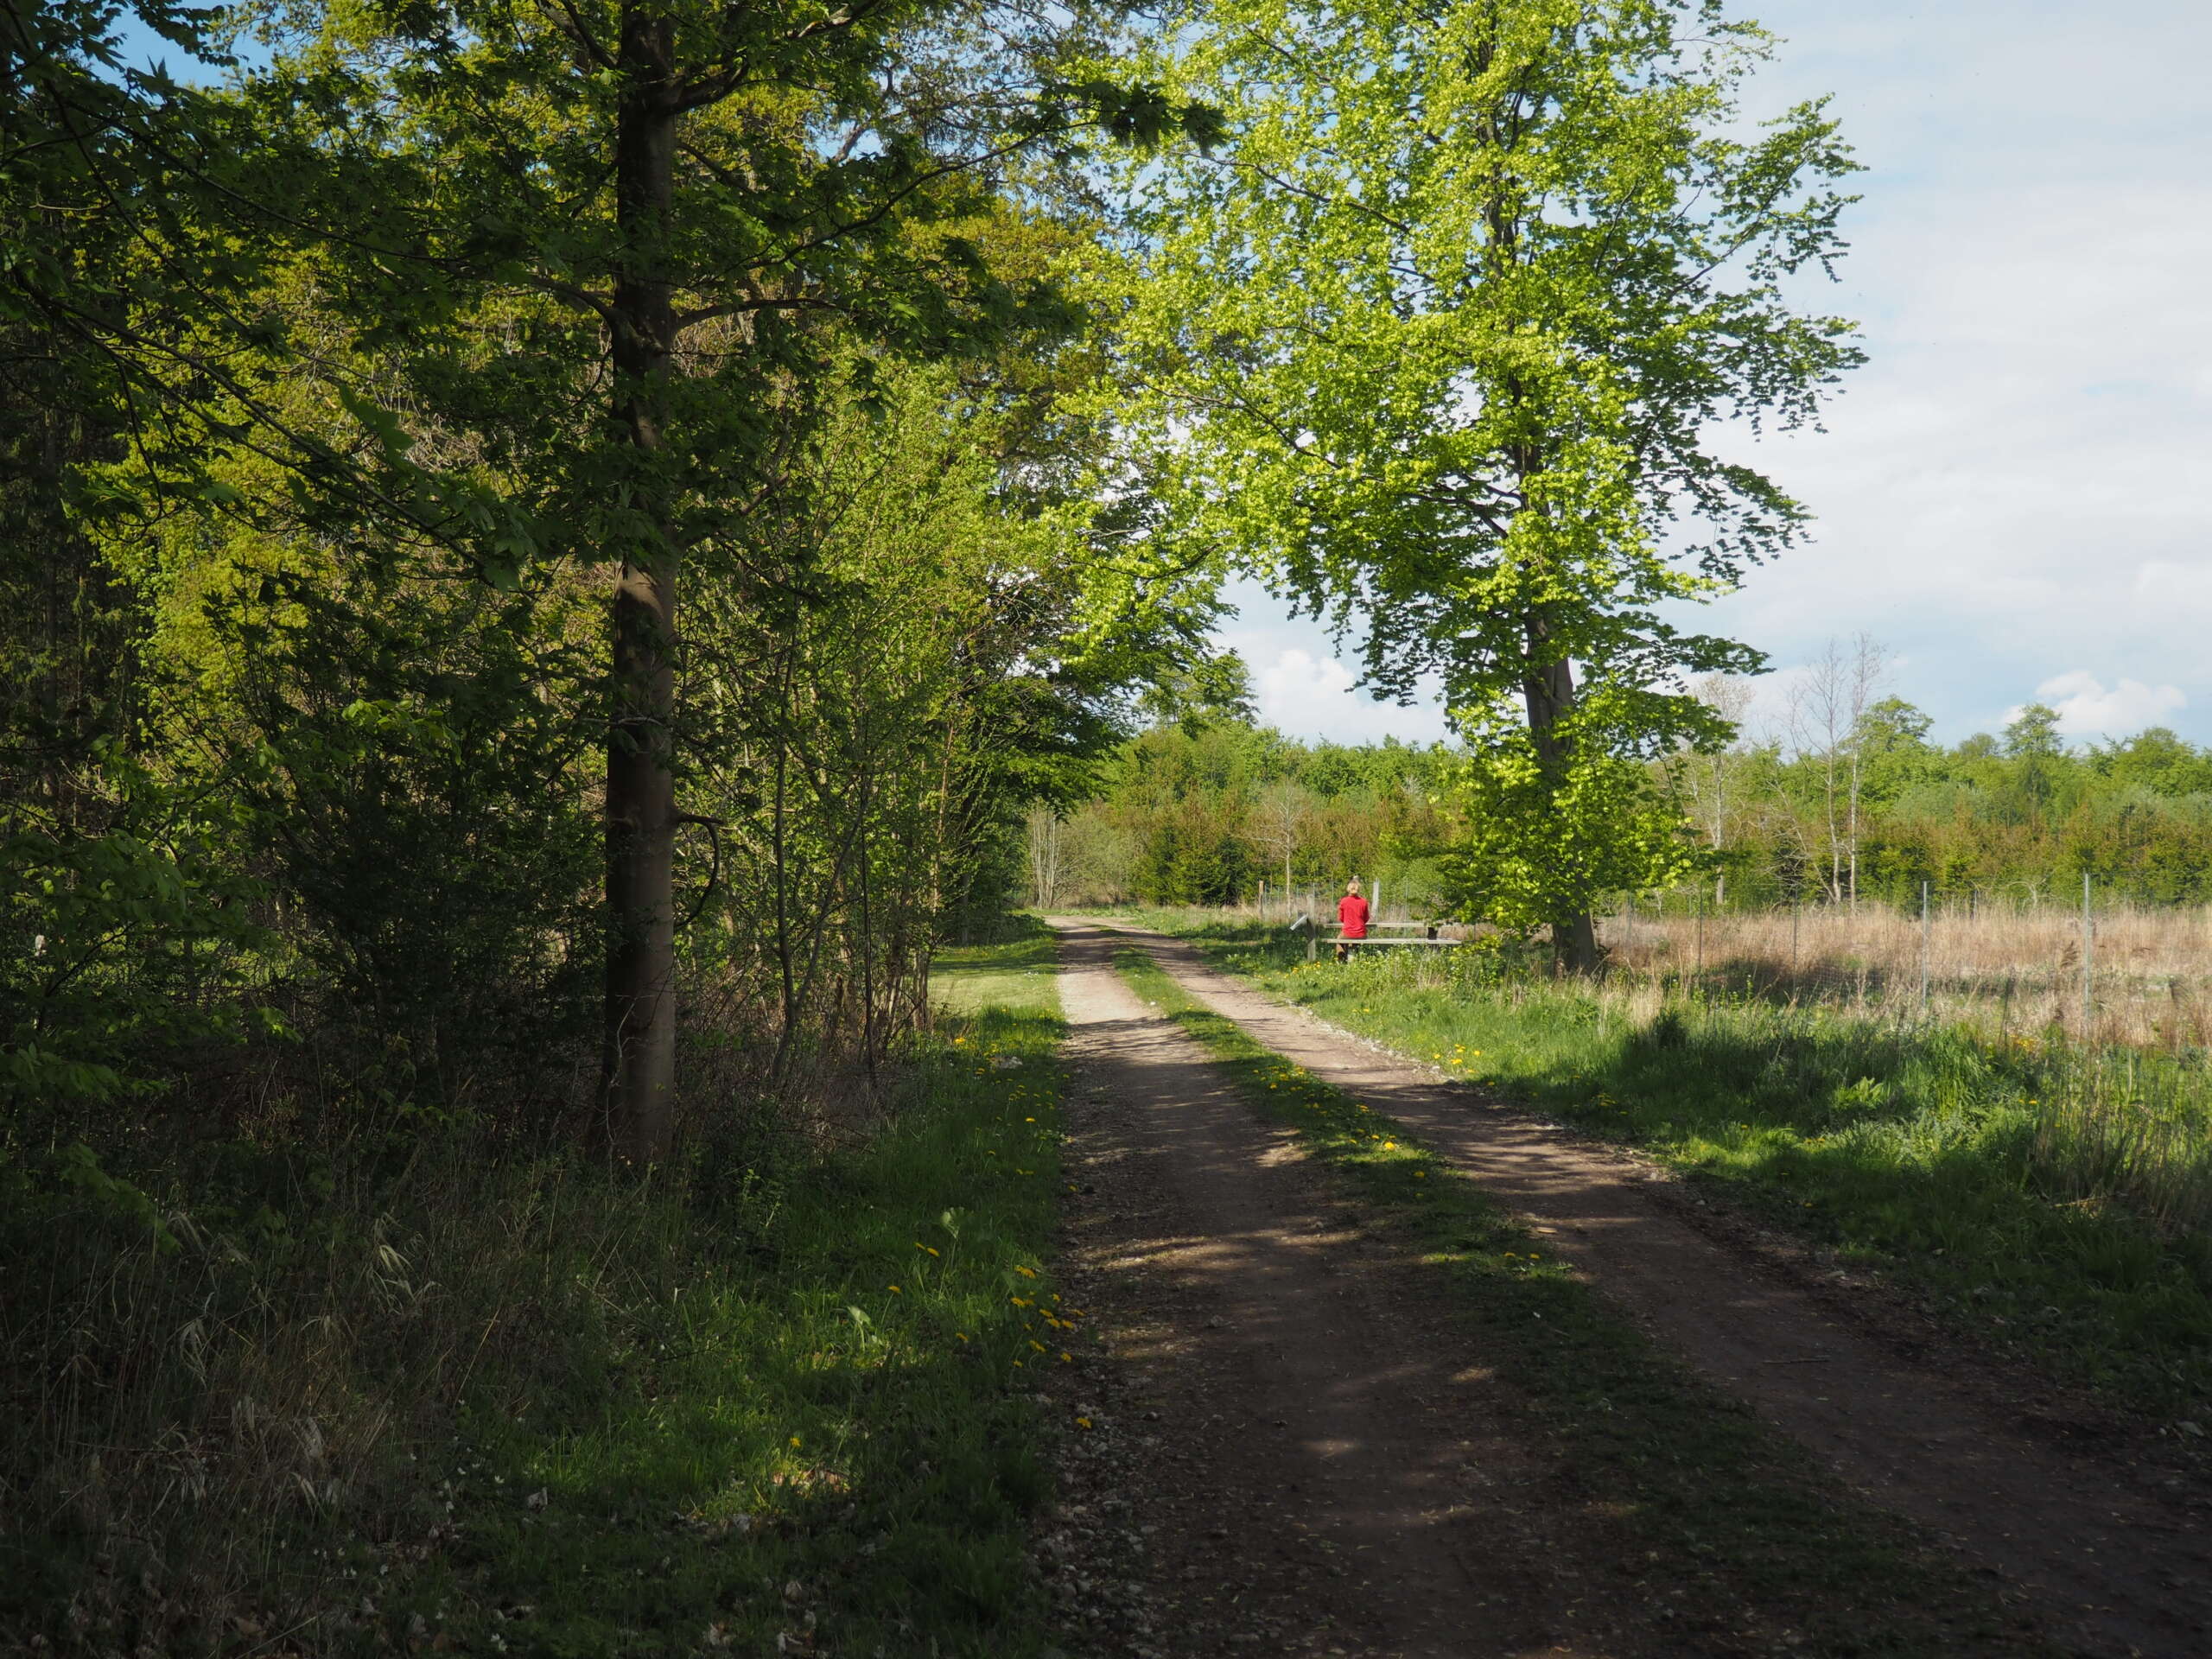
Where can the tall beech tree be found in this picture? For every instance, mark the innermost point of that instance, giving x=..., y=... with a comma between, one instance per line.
x=1442, y=340
x=599, y=250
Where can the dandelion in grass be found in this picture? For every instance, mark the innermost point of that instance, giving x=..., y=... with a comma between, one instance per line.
x=1021, y=1301
x=894, y=1290
x=1067, y=1359
x=1082, y=1423
x=795, y=1442
x=962, y=1335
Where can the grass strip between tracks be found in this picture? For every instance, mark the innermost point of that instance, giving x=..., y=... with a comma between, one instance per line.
x=1743, y=1536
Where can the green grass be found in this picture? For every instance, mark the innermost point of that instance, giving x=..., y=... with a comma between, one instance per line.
x=2048, y=1200
x=633, y=1419
x=852, y=1396
x=1740, y=1536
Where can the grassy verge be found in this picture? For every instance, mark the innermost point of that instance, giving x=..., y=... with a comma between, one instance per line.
x=783, y=1410
x=2049, y=1200
x=1740, y=1536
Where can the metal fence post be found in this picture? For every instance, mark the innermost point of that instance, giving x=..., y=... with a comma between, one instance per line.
x=2088, y=953
x=1924, y=950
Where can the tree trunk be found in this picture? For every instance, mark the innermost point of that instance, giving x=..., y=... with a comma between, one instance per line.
x=639, y=1060
x=1548, y=693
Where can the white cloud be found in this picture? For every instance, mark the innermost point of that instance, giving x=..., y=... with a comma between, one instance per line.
x=2170, y=586
x=1304, y=696
x=2085, y=709
x=1304, y=689
x=1295, y=682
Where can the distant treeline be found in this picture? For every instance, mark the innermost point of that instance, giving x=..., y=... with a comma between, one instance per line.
x=1204, y=813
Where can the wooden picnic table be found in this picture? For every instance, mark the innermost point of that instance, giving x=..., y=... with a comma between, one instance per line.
x=1345, y=946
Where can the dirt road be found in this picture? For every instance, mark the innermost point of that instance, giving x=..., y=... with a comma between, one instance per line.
x=1320, y=1449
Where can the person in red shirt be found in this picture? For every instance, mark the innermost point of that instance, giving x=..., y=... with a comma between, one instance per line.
x=1352, y=919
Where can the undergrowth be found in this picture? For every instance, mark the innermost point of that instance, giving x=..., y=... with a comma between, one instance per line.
x=1733, y=1522
x=526, y=1407
x=2055, y=1201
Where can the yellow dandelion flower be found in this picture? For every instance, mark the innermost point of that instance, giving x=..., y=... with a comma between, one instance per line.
x=894, y=1290
x=1067, y=1359
x=962, y=1335
x=1082, y=1423
x=1021, y=1301
x=794, y=1441
x=1027, y=1272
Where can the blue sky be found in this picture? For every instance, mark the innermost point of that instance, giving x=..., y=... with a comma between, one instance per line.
x=2015, y=495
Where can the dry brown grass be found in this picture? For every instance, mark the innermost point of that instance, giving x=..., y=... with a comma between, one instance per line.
x=2000, y=969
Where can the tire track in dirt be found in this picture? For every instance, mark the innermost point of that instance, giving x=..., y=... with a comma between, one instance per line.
x=2122, y=1566
x=1319, y=1479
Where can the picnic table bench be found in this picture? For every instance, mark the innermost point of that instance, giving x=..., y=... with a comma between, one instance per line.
x=1344, y=946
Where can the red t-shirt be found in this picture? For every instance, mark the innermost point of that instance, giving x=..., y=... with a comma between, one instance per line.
x=1351, y=916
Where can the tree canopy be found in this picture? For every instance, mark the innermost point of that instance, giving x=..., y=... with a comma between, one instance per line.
x=1446, y=340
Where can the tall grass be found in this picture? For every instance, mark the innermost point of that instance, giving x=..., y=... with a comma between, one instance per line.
x=499, y=1399
x=2056, y=1197
x=1997, y=968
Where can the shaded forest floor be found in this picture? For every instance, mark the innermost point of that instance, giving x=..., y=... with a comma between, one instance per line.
x=786, y=1408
